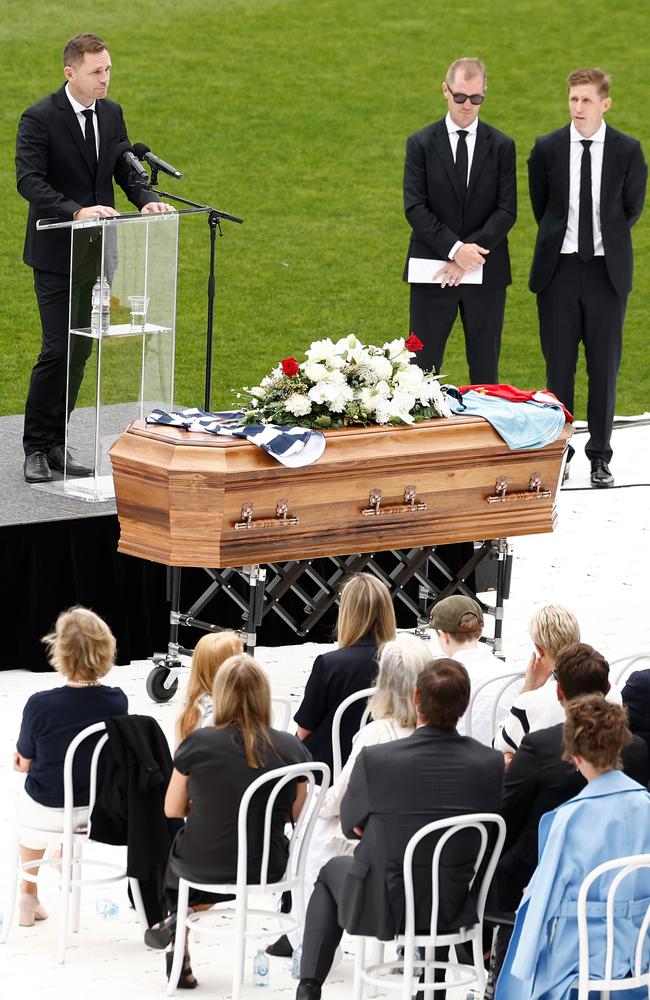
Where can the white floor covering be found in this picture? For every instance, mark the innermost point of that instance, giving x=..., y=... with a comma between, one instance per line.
x=597, y=563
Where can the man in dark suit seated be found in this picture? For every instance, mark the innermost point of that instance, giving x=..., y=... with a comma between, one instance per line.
x=395, y=789
x=538, y=779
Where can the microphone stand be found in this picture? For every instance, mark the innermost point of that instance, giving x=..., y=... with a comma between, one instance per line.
x=214, y=223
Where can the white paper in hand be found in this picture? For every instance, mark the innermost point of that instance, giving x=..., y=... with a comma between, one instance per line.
x=422, y=271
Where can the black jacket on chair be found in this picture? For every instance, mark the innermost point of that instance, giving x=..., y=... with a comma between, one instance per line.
x=129, y=809
x=395, y=789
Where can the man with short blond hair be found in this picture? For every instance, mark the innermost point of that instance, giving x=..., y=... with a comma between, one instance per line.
x=66, y=158
x=460, y=200
x=587, y=188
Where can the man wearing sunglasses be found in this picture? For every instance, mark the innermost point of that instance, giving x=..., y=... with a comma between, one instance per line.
x=587, y=187
x=460, y=200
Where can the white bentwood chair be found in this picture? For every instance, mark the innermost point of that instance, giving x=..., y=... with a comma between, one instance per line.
x=624, y=665
x=352, y=699
x=381, y=974
x=72, y=860
x=282, y=710
x=507, y=680
x=292, y=880
x=611, y=910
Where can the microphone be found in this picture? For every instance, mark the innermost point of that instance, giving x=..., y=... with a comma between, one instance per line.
x=144, y=153
x=125, y=150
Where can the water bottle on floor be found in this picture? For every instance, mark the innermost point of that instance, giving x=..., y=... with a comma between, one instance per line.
x=261, y=968
x=295, y=962
x=107, y=909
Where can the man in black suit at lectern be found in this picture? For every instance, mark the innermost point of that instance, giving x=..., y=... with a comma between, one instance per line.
x=67, y=153
x=587, y=187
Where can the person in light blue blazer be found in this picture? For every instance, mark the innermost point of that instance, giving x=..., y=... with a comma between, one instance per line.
x=610, y=818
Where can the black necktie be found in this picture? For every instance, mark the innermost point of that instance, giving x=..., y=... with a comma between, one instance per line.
x=90, y=136
x=461, y=163
x=585, y=220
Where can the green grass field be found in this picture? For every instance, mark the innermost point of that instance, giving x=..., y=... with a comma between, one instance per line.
x=294, y=115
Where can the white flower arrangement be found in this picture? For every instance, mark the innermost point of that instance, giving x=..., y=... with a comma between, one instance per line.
x=348, y=383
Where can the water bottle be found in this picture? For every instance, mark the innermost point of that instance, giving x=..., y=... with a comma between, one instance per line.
x=107, y=909
x=261, y=968
x=295, y=962
x=100, y=313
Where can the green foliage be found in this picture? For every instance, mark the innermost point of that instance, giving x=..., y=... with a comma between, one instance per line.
x=294, y=116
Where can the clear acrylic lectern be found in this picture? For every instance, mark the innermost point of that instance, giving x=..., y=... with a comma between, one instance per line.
x=121, y=337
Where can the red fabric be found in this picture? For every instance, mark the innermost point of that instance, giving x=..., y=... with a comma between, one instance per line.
x=516, y=395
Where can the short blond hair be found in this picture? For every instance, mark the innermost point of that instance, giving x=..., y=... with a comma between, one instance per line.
x=553, y=627
x=366, y=608
x=601, y=80
x=400, y=663
x=468, y=66
x=81, y=646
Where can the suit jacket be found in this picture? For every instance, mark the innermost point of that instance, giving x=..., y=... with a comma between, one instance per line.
x=610, y=818
x=55, y=174
x=433, y=206
x=636, y=698
x=395, y=789
x=537, y=781
x=622, y=193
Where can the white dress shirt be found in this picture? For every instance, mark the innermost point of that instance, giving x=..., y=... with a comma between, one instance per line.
x=78, y=110
x=470, y=141
x=570, y=244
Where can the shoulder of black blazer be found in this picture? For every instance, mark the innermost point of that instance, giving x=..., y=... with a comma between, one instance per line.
x=561, y=139
x=438, y=131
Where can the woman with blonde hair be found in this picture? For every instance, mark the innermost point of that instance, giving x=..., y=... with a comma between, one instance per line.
x=366, y=621
x=209, y=654
x=213, y=767
x=82, y=649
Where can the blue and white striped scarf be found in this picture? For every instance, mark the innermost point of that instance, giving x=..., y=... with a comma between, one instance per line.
x=292, y=446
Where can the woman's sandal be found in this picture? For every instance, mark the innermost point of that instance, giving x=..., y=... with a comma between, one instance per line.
x=186, y=980
x=161, y=935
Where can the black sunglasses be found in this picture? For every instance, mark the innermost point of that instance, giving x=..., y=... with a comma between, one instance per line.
x=472, y=98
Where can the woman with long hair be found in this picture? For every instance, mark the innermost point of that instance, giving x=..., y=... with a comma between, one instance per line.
x=213, y=767
x=82, y=649
x=366, y=621
x=609, y=818
x=209, y=654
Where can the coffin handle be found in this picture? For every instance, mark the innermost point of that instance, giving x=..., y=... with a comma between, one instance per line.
x=534, y=491
x=282, y=517
x=411, y=503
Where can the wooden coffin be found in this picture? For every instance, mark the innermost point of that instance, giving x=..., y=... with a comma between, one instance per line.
x=194, y=499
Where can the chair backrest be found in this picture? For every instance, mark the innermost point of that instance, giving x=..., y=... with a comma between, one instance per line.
x=445, y=829
x=68, y=768
x=624, y=665
x=504, y=681
x=282, y=711
x=624, y=868
x=300, y=838
x=336, y=725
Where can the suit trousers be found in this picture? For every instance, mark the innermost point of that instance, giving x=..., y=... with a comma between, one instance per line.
x=45, y=409
x=433, y=312
x=580, y=304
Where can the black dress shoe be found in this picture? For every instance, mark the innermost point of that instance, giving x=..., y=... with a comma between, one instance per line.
x=37, y=468
x=280, y=948
x=601, y=477
x=56, y=457
x=308, y=990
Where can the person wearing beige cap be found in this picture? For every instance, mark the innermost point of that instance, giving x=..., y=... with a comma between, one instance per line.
x=458, y=622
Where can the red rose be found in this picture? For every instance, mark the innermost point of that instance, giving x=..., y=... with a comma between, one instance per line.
x=413, y=343
x=290, y=367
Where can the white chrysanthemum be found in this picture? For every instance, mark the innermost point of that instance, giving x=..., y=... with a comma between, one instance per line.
x=402, y=403
x=374, y=396
x=298, y=404
x=334, y=394
x=410, y=378
x=315, y=370
x=321, y=350
x=381, y=366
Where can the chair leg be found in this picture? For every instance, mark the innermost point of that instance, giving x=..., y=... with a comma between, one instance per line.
x=75, y=900
x=134, y=886
x=239, y=950
x=376, y=958
x=479, y=963
x=179, y=940
x=359, y=962
x=12, y=889
x=66, y=876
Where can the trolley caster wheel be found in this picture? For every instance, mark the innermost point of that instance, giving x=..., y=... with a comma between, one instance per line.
x=156, y=685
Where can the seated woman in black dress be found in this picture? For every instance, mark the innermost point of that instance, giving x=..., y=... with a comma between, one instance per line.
x=213, y=768
x=366, y=621
x=82, y=648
